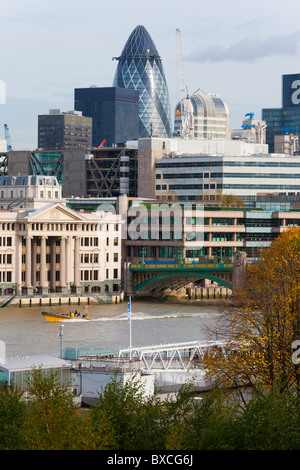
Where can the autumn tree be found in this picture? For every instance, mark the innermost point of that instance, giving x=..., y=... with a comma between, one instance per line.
x=263, y=322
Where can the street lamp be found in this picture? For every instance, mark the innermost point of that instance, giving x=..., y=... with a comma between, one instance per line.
x=143, y=255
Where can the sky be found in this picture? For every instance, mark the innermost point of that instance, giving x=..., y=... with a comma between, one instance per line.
x=237, y=49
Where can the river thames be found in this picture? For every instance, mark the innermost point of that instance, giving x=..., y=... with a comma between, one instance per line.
x=26, y=332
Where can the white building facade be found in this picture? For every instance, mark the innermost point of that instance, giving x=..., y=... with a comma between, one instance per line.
x=53, y=250
x=191, y=169
x=194, y=176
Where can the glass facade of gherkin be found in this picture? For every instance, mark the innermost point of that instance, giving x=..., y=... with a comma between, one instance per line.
x=140, y=68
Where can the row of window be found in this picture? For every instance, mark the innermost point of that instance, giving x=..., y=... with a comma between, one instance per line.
x=220, y=174
x=184, y=164
x=21, y=193
x=60, y=227
x=86, y=258
x=5, y=276
x=92, y=275
x=236, y=186
x=85, y=275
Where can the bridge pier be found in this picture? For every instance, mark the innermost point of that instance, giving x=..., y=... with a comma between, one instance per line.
x=128, y=280
x=239, y=268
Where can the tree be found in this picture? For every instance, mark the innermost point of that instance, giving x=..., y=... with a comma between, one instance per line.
x=12, y=417
x=229, y=200
x=136, y=422
x=263, y=322
x=53, y=421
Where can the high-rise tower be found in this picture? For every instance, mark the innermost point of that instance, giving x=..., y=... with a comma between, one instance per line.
x=140, y=68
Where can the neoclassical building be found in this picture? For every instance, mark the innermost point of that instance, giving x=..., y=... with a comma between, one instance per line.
x=53, y=249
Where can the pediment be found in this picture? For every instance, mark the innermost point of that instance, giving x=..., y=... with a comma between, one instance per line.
x=54, y=213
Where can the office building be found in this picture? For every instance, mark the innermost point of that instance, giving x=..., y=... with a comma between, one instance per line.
x=202, y=235
x=209, y=116
x=112, y=172
x=189, y=169
x=284, y=120
x=64, y=130
x=103, y=172
x=115, y=113
x=203, y=177
x=140, y=68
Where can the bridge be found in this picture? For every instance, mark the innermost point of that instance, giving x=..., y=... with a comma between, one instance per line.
x=157, y=276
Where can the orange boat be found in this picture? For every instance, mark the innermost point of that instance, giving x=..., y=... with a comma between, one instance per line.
x=55, y=317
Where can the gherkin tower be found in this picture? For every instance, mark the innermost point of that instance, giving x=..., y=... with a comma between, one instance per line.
x=140, y=67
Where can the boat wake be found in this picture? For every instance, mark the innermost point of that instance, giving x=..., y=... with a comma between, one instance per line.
x=141, y=316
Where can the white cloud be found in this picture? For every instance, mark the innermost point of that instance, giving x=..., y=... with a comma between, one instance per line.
x=249, y=49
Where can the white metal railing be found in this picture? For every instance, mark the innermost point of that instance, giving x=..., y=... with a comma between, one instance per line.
x=174, y=355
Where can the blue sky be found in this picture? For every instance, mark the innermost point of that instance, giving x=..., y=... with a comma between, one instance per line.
x=237, y=49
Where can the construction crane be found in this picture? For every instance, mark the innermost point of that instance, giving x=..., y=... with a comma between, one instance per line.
x=185, y=102
x=102, y=143
x=7, y=137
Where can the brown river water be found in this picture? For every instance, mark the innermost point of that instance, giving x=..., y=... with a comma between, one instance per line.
x=26, y=332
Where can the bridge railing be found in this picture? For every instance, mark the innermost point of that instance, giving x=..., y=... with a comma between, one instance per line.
x=154, y=265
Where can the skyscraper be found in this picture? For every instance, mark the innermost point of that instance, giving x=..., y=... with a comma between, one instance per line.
x=62, y=129
x=115, y=113
x=284, y=120
x=140, y=68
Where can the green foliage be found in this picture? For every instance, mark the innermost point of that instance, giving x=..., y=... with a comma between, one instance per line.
x=270, y=422
x=52, y=421
x=12, y=417
x=124, y=419
x=136, y=422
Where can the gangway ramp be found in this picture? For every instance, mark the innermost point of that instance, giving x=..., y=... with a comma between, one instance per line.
x=180, y=356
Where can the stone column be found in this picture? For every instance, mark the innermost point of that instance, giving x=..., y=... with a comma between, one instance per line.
x=18, y=265
x=53, y=263
x=33, y=256
x=77, y=264
x=28, y=266
x=43, y=273
x=63, y=265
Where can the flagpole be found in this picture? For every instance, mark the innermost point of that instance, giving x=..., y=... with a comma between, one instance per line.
x=129, y=320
